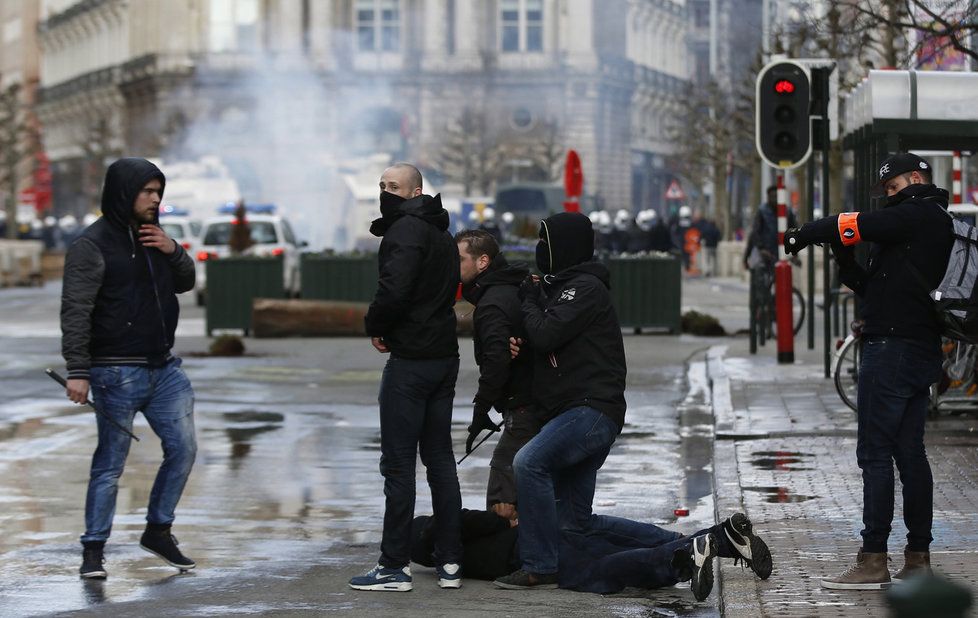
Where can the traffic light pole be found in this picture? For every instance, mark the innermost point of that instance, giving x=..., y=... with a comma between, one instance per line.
x=810, y=175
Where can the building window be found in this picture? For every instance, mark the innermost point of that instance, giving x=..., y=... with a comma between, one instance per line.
x=701, y=14
x=521, y=25
x=233, y=25
x=378, y=25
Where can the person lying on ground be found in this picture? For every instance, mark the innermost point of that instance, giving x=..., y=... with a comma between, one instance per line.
x=624, y=554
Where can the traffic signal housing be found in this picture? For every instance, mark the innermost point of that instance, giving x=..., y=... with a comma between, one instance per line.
x=783, y=126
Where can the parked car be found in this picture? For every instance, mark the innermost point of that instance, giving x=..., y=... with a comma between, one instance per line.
x=271, y=234
x=180, y=227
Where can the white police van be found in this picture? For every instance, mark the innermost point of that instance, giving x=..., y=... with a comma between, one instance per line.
x=271, y=235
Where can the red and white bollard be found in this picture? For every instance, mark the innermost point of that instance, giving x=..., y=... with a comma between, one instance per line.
x=782, y=284
x=956, y=187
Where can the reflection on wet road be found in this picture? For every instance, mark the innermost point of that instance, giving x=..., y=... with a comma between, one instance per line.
x=287, y=468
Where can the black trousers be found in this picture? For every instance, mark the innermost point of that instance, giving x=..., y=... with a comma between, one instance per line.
x=416, y=415
x=522, y=424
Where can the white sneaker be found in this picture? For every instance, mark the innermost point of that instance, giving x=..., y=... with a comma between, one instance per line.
x=449, y=575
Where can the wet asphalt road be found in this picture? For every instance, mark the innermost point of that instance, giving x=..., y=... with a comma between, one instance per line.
x=285, y=501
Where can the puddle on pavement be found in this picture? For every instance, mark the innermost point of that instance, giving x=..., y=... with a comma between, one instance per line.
x=779, y=495
x=780, y=460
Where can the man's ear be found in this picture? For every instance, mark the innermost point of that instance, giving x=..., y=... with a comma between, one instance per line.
x=417, y=191
x=916, y=178
x=484, y=262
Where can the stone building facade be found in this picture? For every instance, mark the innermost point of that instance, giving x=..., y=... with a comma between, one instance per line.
x=282, y=89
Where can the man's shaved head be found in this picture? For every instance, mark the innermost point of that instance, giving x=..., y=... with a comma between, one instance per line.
x=401, y=179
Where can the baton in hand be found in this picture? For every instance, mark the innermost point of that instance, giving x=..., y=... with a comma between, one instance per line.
x=489, y=435
x=57, y=378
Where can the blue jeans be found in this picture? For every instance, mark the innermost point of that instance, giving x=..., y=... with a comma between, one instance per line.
x=894, y=379
x=629, y=554
x=166, y=399
x=416, y=414
x=555, y=477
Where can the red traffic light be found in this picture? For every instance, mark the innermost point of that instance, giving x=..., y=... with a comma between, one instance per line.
x=784, y=86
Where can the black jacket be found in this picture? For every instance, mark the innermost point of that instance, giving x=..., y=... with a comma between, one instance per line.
x=916, y=232
x=489, y=544
x=504, y=383
x=118, y=300
x=579, y=355
x=413, y=309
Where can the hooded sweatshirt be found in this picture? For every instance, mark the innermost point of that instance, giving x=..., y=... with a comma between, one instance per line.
x=911, y=239
x=504, y=382
x=118, y=300
x=413, y=308
x=579, y=355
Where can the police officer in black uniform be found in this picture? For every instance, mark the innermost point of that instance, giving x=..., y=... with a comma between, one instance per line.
x=910, y=242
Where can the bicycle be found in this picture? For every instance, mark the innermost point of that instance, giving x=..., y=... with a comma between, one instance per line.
x=762, y=305
x=955, y=392
x=845, y=366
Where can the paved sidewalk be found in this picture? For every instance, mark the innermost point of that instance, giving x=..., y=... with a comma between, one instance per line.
x=785, y=454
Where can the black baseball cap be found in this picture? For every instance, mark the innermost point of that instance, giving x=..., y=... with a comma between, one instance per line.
x=896, y=164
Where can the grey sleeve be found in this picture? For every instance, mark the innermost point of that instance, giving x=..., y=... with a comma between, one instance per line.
x=184, y=272
x=84, y=271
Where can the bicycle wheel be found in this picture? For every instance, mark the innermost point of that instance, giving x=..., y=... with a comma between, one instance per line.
x=846, y=373
x=799, y=309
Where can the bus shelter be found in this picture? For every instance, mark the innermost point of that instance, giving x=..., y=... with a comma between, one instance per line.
x=897, y=111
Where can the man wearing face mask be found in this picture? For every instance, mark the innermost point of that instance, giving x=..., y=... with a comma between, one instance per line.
x=412, y=317
x=911, y=238
x=578, y=379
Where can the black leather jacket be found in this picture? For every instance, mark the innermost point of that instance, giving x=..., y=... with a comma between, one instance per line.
x=118, y=300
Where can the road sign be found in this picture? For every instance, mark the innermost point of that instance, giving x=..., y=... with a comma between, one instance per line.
x=675, y=191
x=573, y=175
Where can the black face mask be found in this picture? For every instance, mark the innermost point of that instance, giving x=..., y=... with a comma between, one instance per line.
x=389, y=203
x=896, y=198
x=543, y=257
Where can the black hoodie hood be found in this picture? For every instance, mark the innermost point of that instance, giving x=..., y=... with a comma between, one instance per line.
x=393, y=207
x=123, y=181
x=918, y=191
x=566, y=239
x=500, y=272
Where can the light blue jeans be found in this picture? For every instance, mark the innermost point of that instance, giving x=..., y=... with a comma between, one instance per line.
x=166, y=399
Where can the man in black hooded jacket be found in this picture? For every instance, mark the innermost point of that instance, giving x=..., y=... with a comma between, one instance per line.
x=579, y=379
x=901, y=354
x=491, y=284
x=412, y=317
x=119, y=313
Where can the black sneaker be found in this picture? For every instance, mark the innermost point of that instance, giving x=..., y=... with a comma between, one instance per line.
x=751, y=548
x=704, y=550
x=159, y=541
x=93, y=561
x=682, y=564
x=520, y=580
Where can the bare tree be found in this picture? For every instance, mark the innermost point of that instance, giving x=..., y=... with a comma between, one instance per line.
x=14, y=148
x=713, y=133
x=470, y=153
x=950, y=24
x=98, y=146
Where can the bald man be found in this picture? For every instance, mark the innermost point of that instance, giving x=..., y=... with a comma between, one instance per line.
x=412, y=318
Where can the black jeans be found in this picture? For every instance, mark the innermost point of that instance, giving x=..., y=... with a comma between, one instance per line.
x=416, y=414
x=894, y=380
x=521, y=425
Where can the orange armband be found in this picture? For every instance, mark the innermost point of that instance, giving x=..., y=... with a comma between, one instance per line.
x=849, y=228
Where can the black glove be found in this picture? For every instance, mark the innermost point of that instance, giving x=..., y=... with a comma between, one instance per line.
x=480, y=421
x=794, y=241
x=529, y=289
